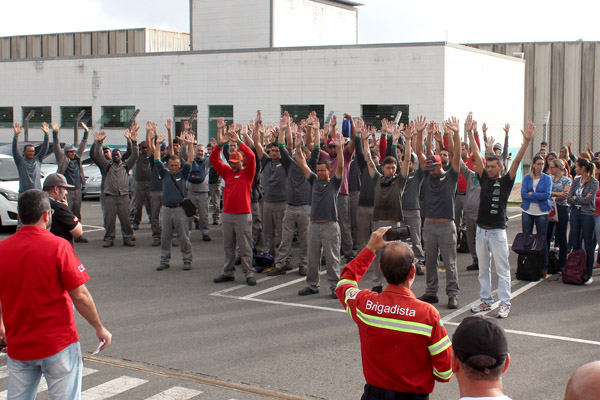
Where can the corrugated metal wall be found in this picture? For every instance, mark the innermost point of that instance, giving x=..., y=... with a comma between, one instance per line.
x=126, y=41
x=560, y=77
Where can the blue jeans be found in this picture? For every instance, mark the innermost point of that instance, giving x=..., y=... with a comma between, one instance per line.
x=541, y=227
x=582, y=228
x=492, y=243
x=560, y=234
x=62, y=372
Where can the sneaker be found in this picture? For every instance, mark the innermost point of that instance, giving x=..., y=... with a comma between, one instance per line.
x=503, y=311
x=377, y=289
x=187, y=266
x=481, y=306
x=128, y=243
x=162, y=267
x=473, y=267
x=428, y=298
x=135, y=227
x=223, y=278
x=175, y=243
x=108, y=243
x=307, y=291
x=452, y=303
x=156, y=242
x=589, y=281
x=251, y=281
x=81, y=239
x=276, y=271
x=333, y=294
x=206, y=238
x=420, y=270
x=302, y=270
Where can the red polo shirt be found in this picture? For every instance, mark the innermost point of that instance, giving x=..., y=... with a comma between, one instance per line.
x=37, y=269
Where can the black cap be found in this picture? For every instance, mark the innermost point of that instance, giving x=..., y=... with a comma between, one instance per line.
x=480, y=335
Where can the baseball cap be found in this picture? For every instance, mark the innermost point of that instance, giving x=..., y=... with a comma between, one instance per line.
x=431, y=162
x=236, y=156
x=164, y=146
x=480, y=335
x=497, y=146
x=106, y=147
x=69, y=147
x=331, y=142
x=56, y=180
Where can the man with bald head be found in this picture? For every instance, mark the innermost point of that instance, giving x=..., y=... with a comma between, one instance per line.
x=584, y=384
x=404, y=344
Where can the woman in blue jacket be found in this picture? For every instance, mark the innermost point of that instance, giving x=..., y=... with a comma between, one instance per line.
x=535, y=193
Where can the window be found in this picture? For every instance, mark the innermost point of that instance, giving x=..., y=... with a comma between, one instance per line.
x=216, y=112
x=300, y=112
x=117, y=116
x=183, y=113
x=40, y=114
x=372, y=114
x=6, y=117
x=68, y=115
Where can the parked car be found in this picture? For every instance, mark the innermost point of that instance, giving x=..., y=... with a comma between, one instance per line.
x=9, y=191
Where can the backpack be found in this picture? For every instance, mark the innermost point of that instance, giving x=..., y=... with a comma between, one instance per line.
x=262, y=262
x=575, y=270
x=198, y=172
x=529, y=267
x=552, y=262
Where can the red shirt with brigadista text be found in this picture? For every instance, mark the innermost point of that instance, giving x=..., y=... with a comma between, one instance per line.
x=37, y=270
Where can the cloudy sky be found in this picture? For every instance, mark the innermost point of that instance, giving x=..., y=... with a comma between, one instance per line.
x=458, y=21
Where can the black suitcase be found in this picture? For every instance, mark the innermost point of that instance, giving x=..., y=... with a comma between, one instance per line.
x=529, y=267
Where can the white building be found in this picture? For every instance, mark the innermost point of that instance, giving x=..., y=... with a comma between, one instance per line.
x=259, y=64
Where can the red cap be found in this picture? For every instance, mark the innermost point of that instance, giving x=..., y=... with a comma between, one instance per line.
x=330, y=142
x=432, y=162
x=235, y=157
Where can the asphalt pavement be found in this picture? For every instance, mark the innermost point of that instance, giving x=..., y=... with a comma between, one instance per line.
x=177, y=330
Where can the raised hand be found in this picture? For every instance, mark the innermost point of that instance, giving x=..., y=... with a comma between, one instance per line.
x=506, y=128
x=134, y=134
x=469, y=123
x=339, y=140
x=134, y=128
x=490, y=143
x=221, y=123
x=54, y=126
x=420, y=123
x=169, y=125
x=528, y=134
x=148, y=126
x=17, y=128
x=474, y=126
x=127, y=134
x=84, y=126
x=409, y=132
x=45, y=128
x=238, y=128
x=186, y=126
x=188, y=139
x=484, y=128
x=160, y=139
x=99, y=136
x=259, y=116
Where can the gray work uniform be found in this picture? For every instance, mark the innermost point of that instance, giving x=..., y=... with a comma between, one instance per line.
x=323, y=232
x=30, y=172
x=471, y=207
x=142, y=197
x=72, y=170
x=198, y=192
x=440, y=237
x=274, y=179
x=411, y=211
x=115, y=192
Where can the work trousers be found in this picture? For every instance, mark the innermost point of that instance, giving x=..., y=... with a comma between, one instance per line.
x=200, y=199
x=412, y=218
x=141, y=199
x=272, y=221
x=295, y=218
x=155, y=207
x=323, y=236
x=116, y=206
x=471, y=225
x=237, y=230
x=344, y=224
x=440, y=237
x=174, y=220
x=377, y=278
x=214, y=190
x=257, y=230
x=74, y=200
x=353, y=208
x=459, y=200
x=364, y=221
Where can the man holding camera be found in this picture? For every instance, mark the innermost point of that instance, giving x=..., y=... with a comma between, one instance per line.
x=404, y=344
x=388, y=190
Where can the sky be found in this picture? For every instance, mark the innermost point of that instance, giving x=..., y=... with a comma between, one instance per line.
x=380, y=21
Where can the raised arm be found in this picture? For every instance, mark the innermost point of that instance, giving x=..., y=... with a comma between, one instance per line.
x=258, y=145
x=45, y=145
x=453, y=125
x=408, y=135
x=527, y=137
x=169, y=126
x=58, y=152
x=15, y=143
x=505, y=148
x=98, y=157
x=476, y=154
x=84, y=140
x=419, y=125
x=339, y=146
x=130, y=162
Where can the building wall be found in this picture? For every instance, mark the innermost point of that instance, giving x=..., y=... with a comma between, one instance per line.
x=230, y=24
x=563, y=78
x=313, y=23
x=341, y=78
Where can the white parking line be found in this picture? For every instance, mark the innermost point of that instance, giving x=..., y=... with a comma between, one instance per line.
x=112, y=388
x=282, y=303
x=92, y=226
x=43, y=386
x=176, y=393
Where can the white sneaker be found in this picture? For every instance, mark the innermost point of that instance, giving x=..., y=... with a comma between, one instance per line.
x=481, y=306
x=589, y=281
x=503, y=311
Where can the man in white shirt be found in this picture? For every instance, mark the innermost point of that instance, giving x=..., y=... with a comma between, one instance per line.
x=480, y=357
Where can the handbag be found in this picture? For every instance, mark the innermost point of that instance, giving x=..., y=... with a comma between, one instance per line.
x=553, y=214
x=526, y=243
x=188, y=206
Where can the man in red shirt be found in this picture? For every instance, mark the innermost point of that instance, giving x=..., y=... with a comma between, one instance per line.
x=237, y=212
x=41, y=279
x=404, y=344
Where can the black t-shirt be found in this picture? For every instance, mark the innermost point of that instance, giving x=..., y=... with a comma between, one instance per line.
x=493, y=200
x=63, y=220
